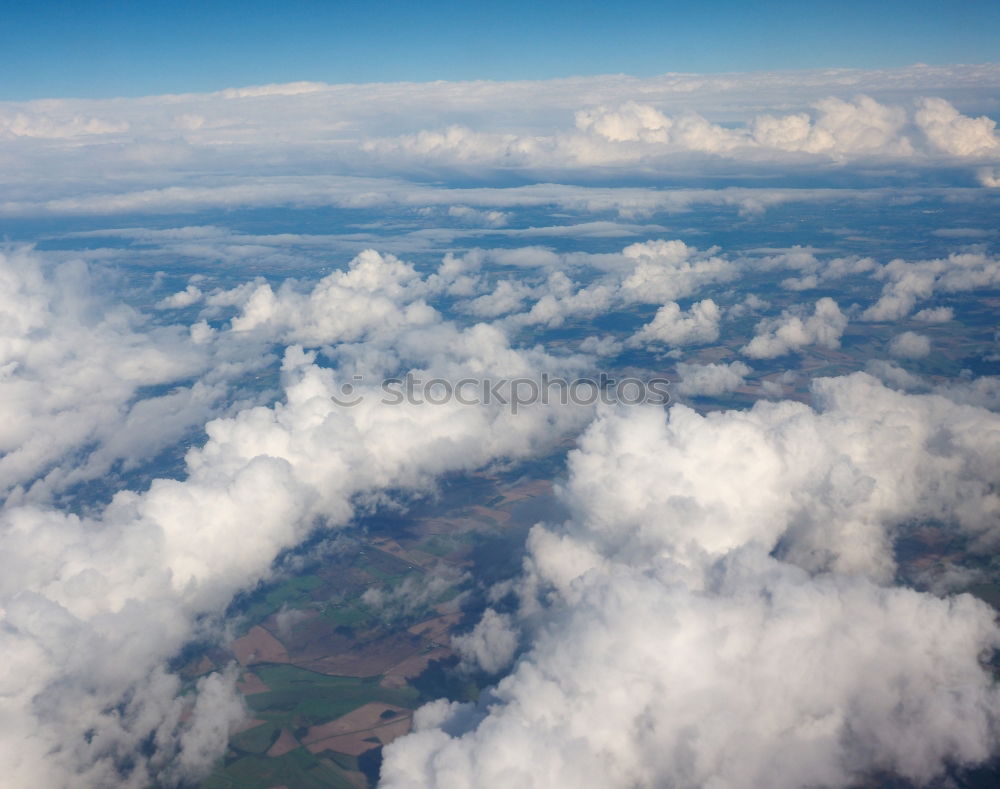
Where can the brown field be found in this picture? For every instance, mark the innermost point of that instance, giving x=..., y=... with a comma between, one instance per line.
x=316, y=639
x=410, y=556
x=363, y=718
x=249, y=723
x=285, y=743
x=489, y=514
x=351, y=744
x=203, y=666
x=438, y=628
x=452, y=606
x=250, y=683
x=359, y=730
x=364, y=660
x=259, y=646
x=396, y=676
x=458, y=524
x=355, y=643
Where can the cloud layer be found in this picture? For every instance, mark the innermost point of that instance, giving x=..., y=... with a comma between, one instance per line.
x=726, y=569
x=93, y=606
x=198, y=280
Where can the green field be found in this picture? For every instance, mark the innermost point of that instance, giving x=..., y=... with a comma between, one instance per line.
x=299, y=698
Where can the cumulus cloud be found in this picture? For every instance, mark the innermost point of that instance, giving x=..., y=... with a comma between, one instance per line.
x=907, y=283
x=649, y=272
x=508, y=296
x=743, y=551
x=711, y=379
x=778, y=336
x=841, y=128
x=490, y=645
x=237, y=147
x=667, y=270
x=78, y=372
x=837, y=686
x=641, y=122
x=94, y=605
x=673, y=326
x=812, y=271
x=910, y=345
x=464, y=213
x=376, y=294
x=983, y=391
x=181, y=299
x=950, y=131
x=601, y=346
x=935, y=315
x=459, y=145
x=728, y=567
x=638, y=133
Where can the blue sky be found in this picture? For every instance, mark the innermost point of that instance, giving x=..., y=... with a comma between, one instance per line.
x=89, y=49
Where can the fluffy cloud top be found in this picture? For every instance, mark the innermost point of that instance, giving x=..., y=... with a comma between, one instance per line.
x=94, y=605
x=68, y=415
x=837, y=685
x=635, y=133
x=711, y=379
x=950, y=131
x=672, y=326
x=841, y=128
x=725, y=568
x=907, y=283
x=237, y=147
x=667, y=270
x=910, y=345
x=716, y=568
x=778, y=336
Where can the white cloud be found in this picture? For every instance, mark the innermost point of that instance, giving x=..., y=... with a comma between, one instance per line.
x=842, y=128
x=657, y=623
x=950, y=131
x=907, y=283
x=667, y=551
x=93, y=606
x=666, y=270
x=778, y=336
x=711, y=379
x=183, y=298
x=935, y=315
x=910, y=345
x=491, y=644
x=813, y=271
x=507, y=296
x=46, y=127
x=474, y=216
x=237, y=147
x=377, y=294
x=75, y=366
x=601, y=346
x=648, y=683
x=649, y=272
x=989, y=177
x=672, y=326
x=638, y=134
x=634, y=122
x=414, y=594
